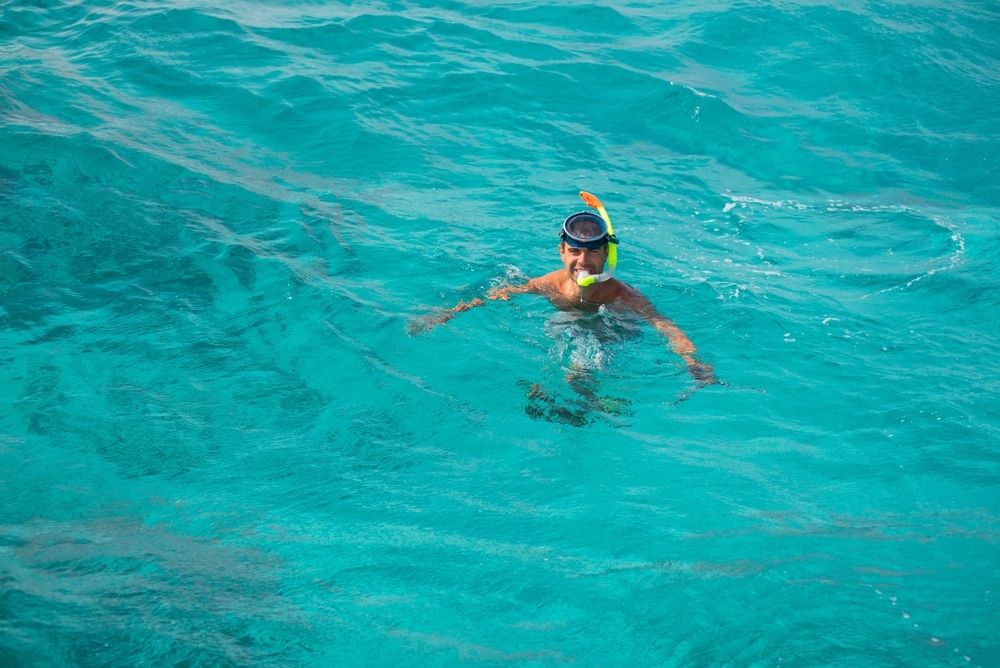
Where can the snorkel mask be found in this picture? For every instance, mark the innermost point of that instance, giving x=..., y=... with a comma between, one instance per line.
x=586, y=230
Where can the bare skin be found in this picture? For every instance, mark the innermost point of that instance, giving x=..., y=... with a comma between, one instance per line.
x=561, y=288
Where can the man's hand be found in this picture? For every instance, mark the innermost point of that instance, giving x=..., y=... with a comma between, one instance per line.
x=426, y=323
x=703, y=374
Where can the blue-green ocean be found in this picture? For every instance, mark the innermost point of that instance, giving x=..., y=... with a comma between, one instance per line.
x=224, y=442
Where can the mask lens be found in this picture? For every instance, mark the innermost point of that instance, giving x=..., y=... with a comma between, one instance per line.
x=585, y=229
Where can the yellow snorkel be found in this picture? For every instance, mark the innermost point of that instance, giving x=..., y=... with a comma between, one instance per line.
x=585, y=279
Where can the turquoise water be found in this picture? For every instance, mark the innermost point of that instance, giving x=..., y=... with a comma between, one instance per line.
x=219, y=444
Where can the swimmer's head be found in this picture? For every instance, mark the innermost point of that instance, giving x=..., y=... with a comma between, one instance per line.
x=586, y=230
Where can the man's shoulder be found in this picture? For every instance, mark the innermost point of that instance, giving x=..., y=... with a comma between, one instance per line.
x=628, y=295
x=622, y=289
x=549, y=280
x=552, y=276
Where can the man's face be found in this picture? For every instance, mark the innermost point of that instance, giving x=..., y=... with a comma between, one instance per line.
x=576, y=260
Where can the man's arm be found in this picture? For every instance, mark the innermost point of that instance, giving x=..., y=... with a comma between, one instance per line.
x=702, y=373
x=425, y=323
x=503, y=294
x=429, y=322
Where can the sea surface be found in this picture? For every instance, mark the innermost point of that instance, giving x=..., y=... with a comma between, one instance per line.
x=228, y=436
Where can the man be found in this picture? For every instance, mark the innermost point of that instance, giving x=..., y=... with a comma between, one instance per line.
x=583, y=285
